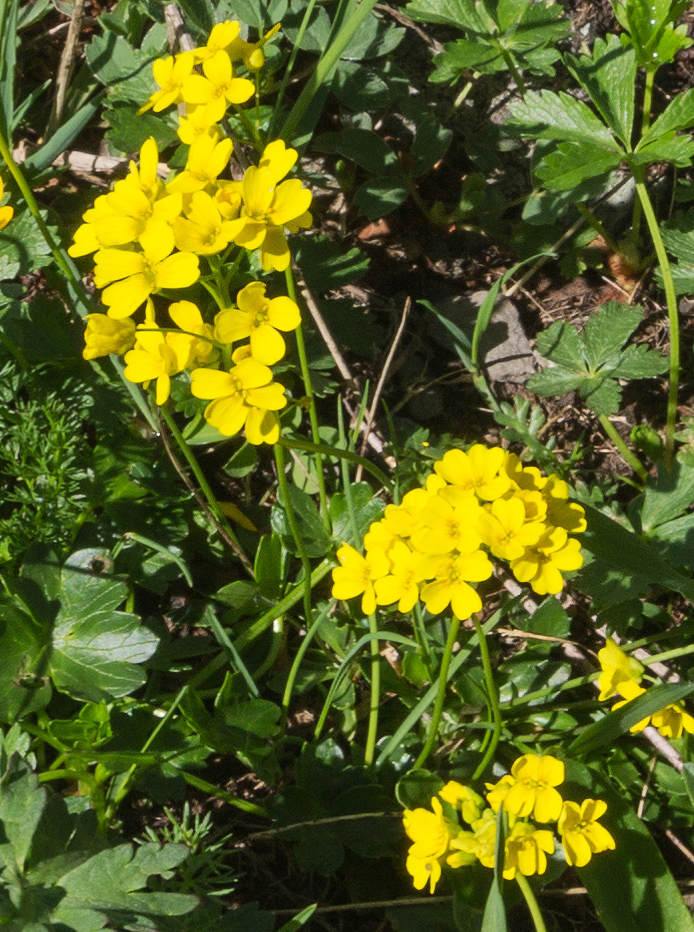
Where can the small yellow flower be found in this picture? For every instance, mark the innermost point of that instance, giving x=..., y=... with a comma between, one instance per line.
x=208, y=156
x=505, y=531
x=259, y=318
x=244, y=397
x=356, y=574
x=581, y=834
x=188, y=318
x=542, y=565
x=251, y=53
x=401, y=584
x=157, y=357
x=424, y=871
x=497, y=791
x=218, y=88
x=481, y=842
x=527, y=848
x=450, y=585
x=534, y=789
x=202, y=231
x=448, y=528
x=469, y=803
x=431, y=832
x=629, y=690
x=104, y=335
x=137, y=275
x=617, y=667
x=480, y=470
x=219, y=39
x=672, y=721
x=169, y=73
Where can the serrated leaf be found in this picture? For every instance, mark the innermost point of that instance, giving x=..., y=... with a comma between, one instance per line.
x=609, y=77
x=461, y=14
x=547, y=115
x=367, y=509
x=639, y=362
x=601, y=395
x=378, y=197
x=572, y=163
x=667, y=498
x=677, y=150
x=678, y=115
x=607, y=331
x=561, y=343
x=465, y=55
x=554, y=381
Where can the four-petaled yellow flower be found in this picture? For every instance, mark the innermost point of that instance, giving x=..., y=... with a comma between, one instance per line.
x=534, y=789
x=356, y=575
x=169, y=73
x=259, y=318
x=581, y=834
x=480, y=470
x=156, y=357
x=527, y=848
x=208, y=156
x=244, y=397
x=218, y=88
x=450, y=584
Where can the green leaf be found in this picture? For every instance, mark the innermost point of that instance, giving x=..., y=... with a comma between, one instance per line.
x=572, y=163
x=646, y=896
x=363, y=146
x=380, y=196
x=547, y=115
x=678, y=115
x=416, y=788
x=562, y=344
x=623, y=551
x=63, y=137
x=608, y=330
x=688, y=775
x=326, y=265
x=667, y=498
x=461, y=14
x=314, y=536
x=617, y=723
x=465, y=55
x=609, y=77
x=23, y=684
x=296, y=922
x=677, y=150
x=22, y=803
x=367, y=508
x=494, y=919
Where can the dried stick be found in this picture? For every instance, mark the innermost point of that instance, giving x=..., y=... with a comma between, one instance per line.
x=176, y=31
x=65, y=68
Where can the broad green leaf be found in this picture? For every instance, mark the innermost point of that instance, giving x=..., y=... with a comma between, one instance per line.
x=63, y=137
x=639, y=362
x=669, y=497
x=678, y=115
x=609, y=77
x=625, y=552
x=465, y=55
x=315, y=540
x=461, y=14
x=367, y=509
x=675, y=539
x=631, y=887
x=617, y=723
x=601, y=395
x=378, y=197
x=608, y=330
x=327, y=265
x=23, y=684
x=572, y=163
x=22, y=802
x=363, y=146
x=416, y=788
x=677, y=150
x=547, y=115
x=562, y=343
x=651, y=30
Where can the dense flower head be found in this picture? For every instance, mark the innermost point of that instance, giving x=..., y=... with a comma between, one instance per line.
x=458, y=830
x=477, y=506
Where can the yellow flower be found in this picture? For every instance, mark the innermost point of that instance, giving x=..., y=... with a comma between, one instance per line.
x=481, y=842
x=188, y=318
x=356, y=574
x=6, y=212
x=169, y=73
x=542, y=564
x=208, y=156
x=672, y=721
x=480, y=470
x=260, y=318
x=218, y=88
x=629, y=690
x=469, y=803
x=137, y=275
x=431, y=832
x=251, y=53
x=219, y=39
x=534, y=789
x=195, y=123
x=447, y=528
x=105, y=335
x=401, y=584
x=269, y=206
x=617, y=667
x=450, y=585
x=527, y=848
x=245, y=397
x=202, y=230
x=581, y=835
x=157, y=357
x=497, y=791
x=505, y=531
x=424, y=871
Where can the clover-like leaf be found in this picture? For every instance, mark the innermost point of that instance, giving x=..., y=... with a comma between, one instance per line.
x=591, y=362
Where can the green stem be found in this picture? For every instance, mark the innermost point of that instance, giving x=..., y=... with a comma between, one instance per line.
x=294, y=443
x=375, y=694
x=300, y=654
x=312, y=413
x=599, y=228
x=493, y=698
x=205, y=488
x=296, y=534
x=627, y=454
x=533, y=907
x=289, y=67
x=441, y=694
x=517, y=77
x=673, y=316
x=61, y=258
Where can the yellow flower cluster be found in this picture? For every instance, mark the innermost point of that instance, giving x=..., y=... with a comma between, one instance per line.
x=149, y=236
x=439, y=836
x=440, y=538
x=621, y=674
